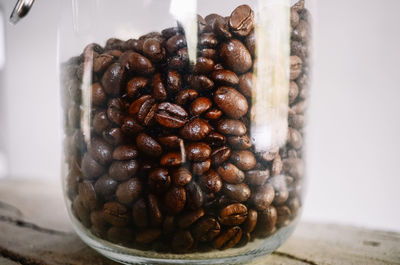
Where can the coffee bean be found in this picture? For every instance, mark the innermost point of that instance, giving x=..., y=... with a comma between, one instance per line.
x=284, y=214
x=125, y=152
x=102, y=62
x=200, y=82
x=135, y=86
x=228, y=239
x=171, y=115
x=294, y=205
x=262, y=197
x=180, y=60
x=215, y=139
x=206, y=229
x=87, y=195
x=175, y=200
x=115, y=111
x=213, y=114
x=81, y=212
x=113, y=136
x=257, y=177
x=148, y=235
x=136, y=63
x=200, y=168
x=198, y=152
x=159, y=181
x=143, y=109
x=209, y=53
x=171, y=159
x=240, y=142
x=100, y=150
x=175, y=43
x=251, y=221
x=116, y=214
x=174, y=81
x=211, y=181
x=231, y=102
x=91, y=169
x=234, y=214
x=296, y=121
x=182, y=241
x=100, y=122
x=181, y=176
x=113, y=79
x=201, y=23
x=208, y=40
x=155, y=214
x=270, y=154
x=131, y=127
x=294, y=167
x=185, y=96
x=153, y=49
x=231, y=174
x=295, y=139
x=129, y=191
x=220, y=155
x=244, y=159
x=105, y=186
x=168, y=225
x=203, y=65
x=241, y=20
x=123, y=170
x=246, y=84
x=281, y=189
x=189, y=218
x=200, y=105
x=159, y=91
x=221, y=27
x=231, y=127
x=99, y=225
x=295, y=67
x=293, y=92
x=235, y=56
x=148, y=145
x=139, y=213
x=225, y=77
x=120, y=235
x=195, y=130
x=194, y=196
x=266, y=220
x=99, y=97
x=238, y=192
x=301, y=32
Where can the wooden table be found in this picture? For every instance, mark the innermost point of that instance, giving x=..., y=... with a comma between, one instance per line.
x=34, y=229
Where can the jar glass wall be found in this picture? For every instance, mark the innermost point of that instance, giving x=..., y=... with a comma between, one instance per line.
x=184, y=126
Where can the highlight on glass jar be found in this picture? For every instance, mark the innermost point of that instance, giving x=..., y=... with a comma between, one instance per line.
x=184, y=125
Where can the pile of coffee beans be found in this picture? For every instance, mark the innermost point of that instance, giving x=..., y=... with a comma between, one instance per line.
x=158, y=148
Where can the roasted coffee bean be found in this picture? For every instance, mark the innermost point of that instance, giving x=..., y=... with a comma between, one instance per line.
x=213, y=114
x=159, y=91
x=210, y=19
x=246, y=84
x=201, y=23
x=220, y=155
x=296, y=121
x=225, y=77
x=102, y=62
x=235, y=56
x=281, y=189
x=203, y=65
x=105, y=186
x=266, y=220
x=131, y=127
x=295, y=139
x=228, y=239
x=135, y=86
x=231, y=127
x=206, y=229
x=116, y=214
x=200, y=105
x=240, y=142
x=238, y=192
x=215, y=139
x=174, y=81
x=170, y=141
x=189, y=218
x=99, y=225
x=296, y=65
x=284, y=214
x=148, y=145
x=113, y=79
x=182, y=241
x=115, y=111
x=241, y=20
x=148, y=235
x=175, y=43
x=230, y=173
x=257, y=177
x=114, y=43
x=297, y=48
x=185, y=96
x=123, y=170
x=99, y=97
x=231, y=102
x=294, y=18
x=251, y=43
x=171, y=115
x=81, y=212
x=153, y=49
x=301, y=32
x=293, y=92
x=209, y=53
x=221, y=27
x=91, y=169
x=294, y=167
x=180, y=60
x=113, y=136
x=100, y=150
x=159, y=180
x=200, y=168
x=114, y=53
x=195, y=130
x=87, y=195
x=198, y=152
x=125, y=152
x=129, y=191
x=175, y=200
x=155, y=214
x=233, y=214
x=294, y=205
x=194, y=196
x=251, y=221
x=139, y=213
x=181, y=176
x=100, y=122
x=269, y=155
x=120, y=235
x=244, y=159
x=299, y=107
x=211, y=181
x=208, y=40
x=200, y=82
x=141, y=107
x=262, y=197
x=136, y=63
x=171, y=159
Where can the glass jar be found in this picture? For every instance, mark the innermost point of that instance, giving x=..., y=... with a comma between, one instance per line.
x=184, y=132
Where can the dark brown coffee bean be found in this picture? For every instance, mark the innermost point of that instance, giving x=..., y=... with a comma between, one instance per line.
x=203, y=65
x=246, y=84
x=195, y=130
x=213, y=114
x=123, y=170
x=175, y=200
x=136, y=63
x=141, y=107
x=105, y=186
x=231, y=127
x=231, y=174
x=244, y=159
x=208, y=40
x=172, y=159
x=100, y=150
x=131, y=127
x=209, y=53
x=159, y=91
x=269, y=155
x=233, y=214
x=159, y=181
x=257, y=177
x=262, y=197
x=200, y=82
x=211, y=182
x=221, y=27
x=153, y=49
x=294, y=138
x=200, y=168
x=251, y=43
x=189, y=218
x=231, y=102
x=135, y=85
x=220, y=155
x=116, y=214
x=174, y=81
x=201, y=23
x=120, y=235
x=238, y=192
x=99, y=97
x=87, y=195
x=98, y=223
x=155, y=214
x=115, y=111
x=284, y=214
x=139, y=213
x=197, y=152
x=170, y=141
x=206, y=229
x=113, y=79
x=294, y=167
x=296, y=66
x=114, y=43
x=200, y=105
x=267, y=220
x=185, y=96
x=241, y=20
x=175, y=43
x=194, y=196
x=181, y=176
x=148, y=145
x=180, y=60
x=240, y=142
x=82, y=213
x=125, y=152
x=113, y=136
x=251, y=221
x=215, y=139
x=100, y=122
x=91, y=169
x=182, y=241
x=235, y=56
x=102, y=62
x=171, y=115
x=210, y=19
x=148, y=235
x=225, y=77
x=228, y=239
x=114, y=53
x=129, y=191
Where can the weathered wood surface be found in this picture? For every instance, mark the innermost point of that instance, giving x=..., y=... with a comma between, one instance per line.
x=34, y=229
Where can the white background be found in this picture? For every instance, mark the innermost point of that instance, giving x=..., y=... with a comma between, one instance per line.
x=354, y=121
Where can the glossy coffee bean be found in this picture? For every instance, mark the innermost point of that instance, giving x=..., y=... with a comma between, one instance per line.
x=100, y=122
x=199, y=168
x=200, y=82
x=159, y=92
x=175, y=200
x=174, y=81
x=208, y=40
x=235, y=56
x=238, y=192
x=251, y=221
x=246, y=84
x=135, y=86
x=213, y=114
x=185, y=96
x=195, y=130
x=91, y=169
x=231, y=102
x=211, y=182
x=228, y=239
x=143, y=109
x=99, y=225
x=203, y=65
x=113, y=79
x=100, y=150
x=170, y=141
x=231, y=127
x=123, y=170
x=115, y=111
x=225, y=77
x=171, y=115
x=102, y=62
x=159, y=181
x=262, y=197
x=175, y=43
x=105, y=186
x=215, y=139
x=181, y=176
x=81, y=212
x=284, y=214
x=230, y=173
x=113, y=136
x=209, y=53
x=129, y=191
x=99, y=96
x=153, y=49
x=266, y=220
x=233, y=214
x=87, y=195
x=257, y=177
x=189, y=218
x=206, y=229
x=221, y=28
x=200, y=105
x=131, y=127
x=244, y=159
x=194, y=196
x=198, y=152
x=148, y=145
x=125, y=152
x=220, y=155
x=240, y=142
x=116, y=214
x=251, y=43
x=171, y=159
x=136, y=63
x=241, y=20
